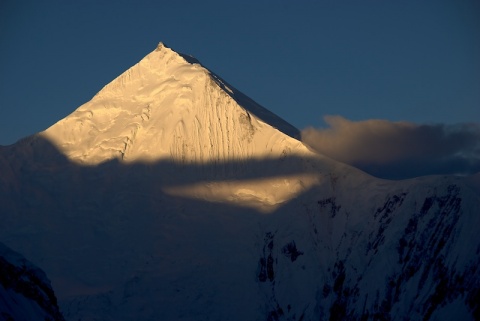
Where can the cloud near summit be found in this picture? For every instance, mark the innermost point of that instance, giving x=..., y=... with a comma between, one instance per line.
x=397, y=150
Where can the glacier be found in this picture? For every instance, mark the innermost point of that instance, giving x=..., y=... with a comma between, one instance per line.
x=171, y=195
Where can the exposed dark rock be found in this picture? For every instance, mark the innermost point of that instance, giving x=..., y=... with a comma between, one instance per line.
x=331, y=201
x=290, y=250
x=266, y=262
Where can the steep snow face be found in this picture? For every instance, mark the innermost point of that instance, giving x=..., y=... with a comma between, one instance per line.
x=25, y=291
x=166, y=107
x=378, y=251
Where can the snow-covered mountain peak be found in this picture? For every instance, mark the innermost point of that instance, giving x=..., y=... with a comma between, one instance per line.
x=169, y=109
x=168, y=106
x=161, y=45
x=148, y=203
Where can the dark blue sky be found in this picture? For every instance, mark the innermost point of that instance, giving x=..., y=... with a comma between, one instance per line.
x=397, y=60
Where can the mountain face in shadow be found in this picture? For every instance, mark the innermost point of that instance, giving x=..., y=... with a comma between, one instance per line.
x=172, y=196
x=25, y=291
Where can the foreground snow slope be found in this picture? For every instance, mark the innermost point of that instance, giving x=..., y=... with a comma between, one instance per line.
x=25, y=291
x=172, y=196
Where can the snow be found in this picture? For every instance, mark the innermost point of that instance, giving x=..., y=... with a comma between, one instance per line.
x=166, y=195
x=166, y=108
x=19, y=307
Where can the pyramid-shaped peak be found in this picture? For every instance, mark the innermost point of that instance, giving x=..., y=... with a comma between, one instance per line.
x=164, y=47
x=169, y=106
x=161, y=45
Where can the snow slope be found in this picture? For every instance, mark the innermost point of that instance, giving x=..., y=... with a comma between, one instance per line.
x=173, y=196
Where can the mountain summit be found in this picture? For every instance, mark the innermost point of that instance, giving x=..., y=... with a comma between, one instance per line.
x=173, y=196
x=169, y=106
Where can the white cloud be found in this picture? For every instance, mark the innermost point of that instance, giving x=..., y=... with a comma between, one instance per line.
x=399, y=149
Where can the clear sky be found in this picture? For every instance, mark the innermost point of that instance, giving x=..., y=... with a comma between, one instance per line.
x=396, y=60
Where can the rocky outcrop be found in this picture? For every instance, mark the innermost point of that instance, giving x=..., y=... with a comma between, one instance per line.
x=25, y=291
